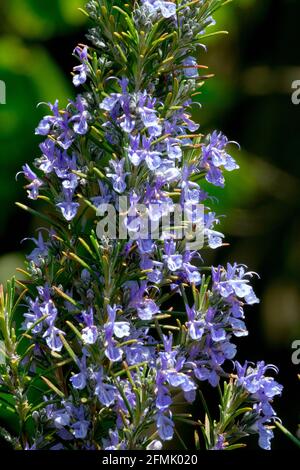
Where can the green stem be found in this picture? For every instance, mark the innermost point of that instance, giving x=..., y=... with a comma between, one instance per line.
x=288, y=434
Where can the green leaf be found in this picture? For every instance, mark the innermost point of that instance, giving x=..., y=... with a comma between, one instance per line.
x=69, y=349
x=53, y=387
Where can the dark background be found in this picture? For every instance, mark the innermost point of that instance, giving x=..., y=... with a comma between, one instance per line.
x=249, y=100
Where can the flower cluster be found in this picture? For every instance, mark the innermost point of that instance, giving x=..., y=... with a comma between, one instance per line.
x=99, y=312
x=262, y=389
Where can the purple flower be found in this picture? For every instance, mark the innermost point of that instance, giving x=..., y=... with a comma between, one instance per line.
x=167, y=9
x=155, y=445
x=33, y=315
x=233, y=282
x=81, y=70
x=145, y=150
x=220, y=444
x=48, y=309
x=171, y=369
x=60, y=417
x=119, y=107
x=146, y=308
x=216, y=330
x=190, y=67
x=165, y=426
x=53, y=339
x=167, y=172
x=80, y=429
x=65, y=135
x=173, y=260
x=262, y=390
x=203, y=373
x=163, y=398
x=148, y=115
x=190, y=271
x=214, y=238
x=39, y=255
x=90, y=332
x=113, y=442
x=47, y=161
x=117, y=175
x=35, y=183
x=265, y=435
x=81, y=425
x=106, y=393
x=48, y=122
x=137, y=154
x=110, y=102
x=105, y=196
x=256, y=383
x=68, y=209
x=215, y=157
x=80, y=119
x=79, y=381
x=195, y=327
x=120, y=329
x=70, y=183
x=39, y=309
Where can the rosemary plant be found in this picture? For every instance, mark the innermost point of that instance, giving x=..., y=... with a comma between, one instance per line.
x=121, y=334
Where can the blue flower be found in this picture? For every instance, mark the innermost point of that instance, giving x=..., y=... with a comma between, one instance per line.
x=215, y=157
x=112, y=328
x=81, y=70
x=53, y=339
x=68, y=207
x=167, y=9
x=49, y=121
x=171, y=370
x=35, y=183
x=265, y=435
x=90, y=332
x=79, y=381
x=163, y=398
x=220, y=444
x=190, y=67
x=39, y=254
x=214, y=238
x=146, y=308
x=105, y=392
x=165, y=426
x=262, y=390
x=80, y=119
x=172, y=259
x=117, y=175
x=113, y=443
x=47, y=161
x=195, y=327
x=120, y=329
x=234, y=282
x=81, y=425
x=148, y=114
x=32, y=316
